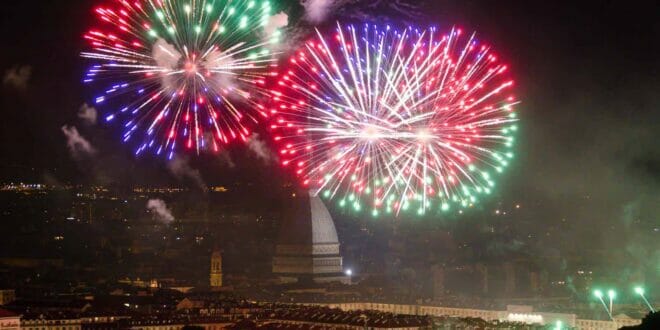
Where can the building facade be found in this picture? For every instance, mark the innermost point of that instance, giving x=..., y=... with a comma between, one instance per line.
x=512, y=314
x=44, y=323
x=216, y=270
x=7, y=296
x=9, y=320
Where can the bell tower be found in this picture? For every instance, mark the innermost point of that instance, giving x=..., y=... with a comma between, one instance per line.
x=216, y=269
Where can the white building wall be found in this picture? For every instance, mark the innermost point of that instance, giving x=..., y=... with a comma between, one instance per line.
x=488, y=315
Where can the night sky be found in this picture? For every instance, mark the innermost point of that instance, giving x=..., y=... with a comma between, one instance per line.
x=587, y=75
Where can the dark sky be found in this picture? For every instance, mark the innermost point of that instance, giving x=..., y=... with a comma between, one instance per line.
x=586, y=72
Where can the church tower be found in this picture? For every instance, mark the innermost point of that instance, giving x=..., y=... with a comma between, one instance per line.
x=216, y=269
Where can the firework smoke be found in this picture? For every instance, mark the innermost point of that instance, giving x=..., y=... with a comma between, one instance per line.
x=77, y=144
x=159, y=208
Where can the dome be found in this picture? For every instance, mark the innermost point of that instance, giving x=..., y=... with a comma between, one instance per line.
x=297, y=229
x=308, y=244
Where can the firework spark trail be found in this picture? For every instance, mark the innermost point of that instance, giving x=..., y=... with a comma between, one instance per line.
x=395, y=119
x=182, y=72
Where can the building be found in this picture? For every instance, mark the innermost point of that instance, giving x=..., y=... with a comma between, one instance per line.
x=510, y=278
x=308, y=246
x=150, y=324
x=534, y=282
x=513, y=313
x=53, y=321
x=482, y=270
x=190, y=303
x=216, y=269
x=438, y=272
x=7, y=296
x=9, y=320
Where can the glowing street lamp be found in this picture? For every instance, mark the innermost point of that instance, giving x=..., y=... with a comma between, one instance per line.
x=349, y=273
x=611, y=294
x=599, y=295
x=640, y=291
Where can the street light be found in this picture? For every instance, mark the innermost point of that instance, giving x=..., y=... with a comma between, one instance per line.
x=640, y=291
x=559, y=325
x=599, y=295
x=349, y=273
x=611, y=294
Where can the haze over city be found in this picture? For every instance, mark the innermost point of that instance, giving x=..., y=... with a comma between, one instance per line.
x=329, y=164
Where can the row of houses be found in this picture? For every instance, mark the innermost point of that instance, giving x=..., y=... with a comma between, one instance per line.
x=522, y=314
x=13, y=321
x=221, y=318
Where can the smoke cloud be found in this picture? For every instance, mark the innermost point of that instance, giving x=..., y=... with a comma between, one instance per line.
x=88, y=114
x=316, y=11
x=260, y=149
x=222, y=63
x=159, y=208
x=77, y=144
x=17, y=77
x=166, y=57
x=407, y=12
x=226, y=160
x=181, y=169
x=275, y=22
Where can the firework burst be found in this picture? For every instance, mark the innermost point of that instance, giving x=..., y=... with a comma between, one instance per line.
x=395, y=120
x=181, y=74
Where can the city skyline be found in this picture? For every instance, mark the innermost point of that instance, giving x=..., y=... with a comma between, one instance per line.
x=570, y=226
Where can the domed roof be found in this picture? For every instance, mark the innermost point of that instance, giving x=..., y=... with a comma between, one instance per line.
x=307, y=222
x=308, y=247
